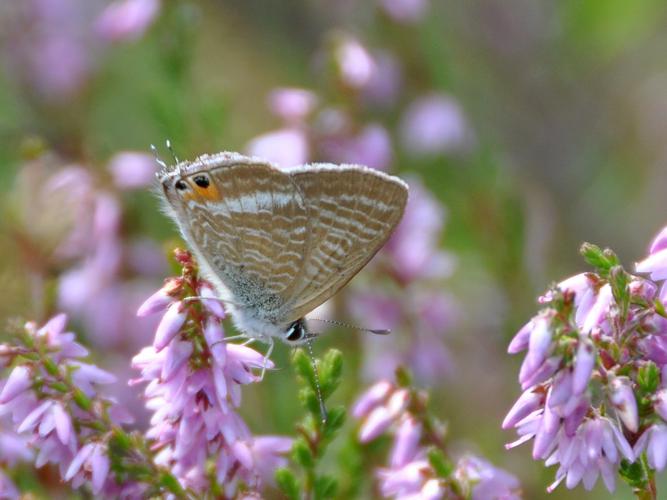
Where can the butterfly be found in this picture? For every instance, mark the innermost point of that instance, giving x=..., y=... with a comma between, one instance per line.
x=277, y=243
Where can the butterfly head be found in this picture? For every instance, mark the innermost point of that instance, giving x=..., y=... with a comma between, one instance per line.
x=296, y=333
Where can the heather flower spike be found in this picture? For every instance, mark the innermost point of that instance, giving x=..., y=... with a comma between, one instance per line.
x=418, y=464
x=194, y=379
x=593, y=400
x=52, y=396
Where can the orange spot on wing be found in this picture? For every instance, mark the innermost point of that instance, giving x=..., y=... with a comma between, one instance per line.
x=209, y=193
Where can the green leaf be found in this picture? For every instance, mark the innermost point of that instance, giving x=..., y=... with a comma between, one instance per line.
x=601, y=260
x=325, y=487
x=302, y=454
x=335, y=421
x=170, y=483
x=442, y=467
x=403, y=377
x=633, y=474
x=331, y=371
x=287, y=483
x=648, y=377
x=309, y=400
x=660, y=308
x=303, y=366
x=82, y=400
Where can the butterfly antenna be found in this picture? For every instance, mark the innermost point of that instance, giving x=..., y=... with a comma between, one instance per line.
x=171, y=150
x=323, y=409
x=380, y=331
x=157, y=157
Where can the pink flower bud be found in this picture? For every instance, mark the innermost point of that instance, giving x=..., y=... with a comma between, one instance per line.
x=371, y=398
x=170, y=325
x=18, y=382
x=625, y=403
x=155, y=303
x=527, y=403
x=583, y=366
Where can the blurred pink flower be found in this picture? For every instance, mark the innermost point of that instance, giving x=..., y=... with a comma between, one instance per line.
x=48, y=46
x=286, y=147
x=354, y=63
x=434, y=124
x=414, y=246
x=656, y=263
x=132, y=170
x=405, y=11
x=386, y=82
x=126, y=20
x=371, y=147
x=292, y=105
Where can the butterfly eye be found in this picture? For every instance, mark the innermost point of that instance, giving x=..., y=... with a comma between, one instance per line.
x=294, y=332
x=181, y=185
x=202, y=181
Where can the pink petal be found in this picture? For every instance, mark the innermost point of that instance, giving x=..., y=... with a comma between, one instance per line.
x=170, y=325
x=17, y=383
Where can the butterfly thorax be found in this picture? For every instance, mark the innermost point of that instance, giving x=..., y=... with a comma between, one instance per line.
x=261, y=329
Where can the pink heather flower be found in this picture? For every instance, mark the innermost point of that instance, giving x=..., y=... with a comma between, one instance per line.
x=654, y=441
x=405, y=11
x=406, y=442
x=379, y=408
x=594, y=450
x=293, y=105
x=18, y=382
x=486, y=481
x=414, y=245
x=126, y=20
x=91, y=462
x=623, y=399
x=193, y=389
x=409, y=474
x=386, y=83
x=132, y=170
x=434, y=124
x=354, y=63
x=49, y=47
x=371, y=147
x=286, y=147
x=655, y=264
x=56, y=426
x=170, y=325
x=8, y=489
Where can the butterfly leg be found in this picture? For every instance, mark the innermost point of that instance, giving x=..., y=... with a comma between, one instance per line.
x=266, y=358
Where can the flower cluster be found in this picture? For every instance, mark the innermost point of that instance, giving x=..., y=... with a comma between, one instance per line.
x=194, y=387
x=51, y=396
x=417, y=466
x=593, y=399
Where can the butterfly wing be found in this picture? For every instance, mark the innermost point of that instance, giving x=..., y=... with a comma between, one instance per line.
x=352, y=211
x=248, y=227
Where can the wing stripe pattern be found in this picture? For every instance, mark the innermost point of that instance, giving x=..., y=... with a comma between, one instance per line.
x=255, y=235
x=352, y=211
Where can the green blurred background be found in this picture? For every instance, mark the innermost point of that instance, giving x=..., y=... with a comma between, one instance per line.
x=567, y=103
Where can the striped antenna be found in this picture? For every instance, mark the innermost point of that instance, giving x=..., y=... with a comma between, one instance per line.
x=380, y=331
x=323, y=408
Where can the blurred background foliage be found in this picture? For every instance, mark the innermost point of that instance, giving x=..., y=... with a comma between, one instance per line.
x=565, y=108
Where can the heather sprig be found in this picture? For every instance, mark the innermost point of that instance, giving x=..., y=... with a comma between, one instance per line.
x=194, y=378
x=51, y=393
x=420, y=465
x=593, y=376
x=315, y=431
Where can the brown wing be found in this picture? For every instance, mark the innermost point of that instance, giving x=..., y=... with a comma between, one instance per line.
x=249, y=225
x=352, y=211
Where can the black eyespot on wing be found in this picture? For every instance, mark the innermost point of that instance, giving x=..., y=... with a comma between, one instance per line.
x=202, y=181
x=181, y=185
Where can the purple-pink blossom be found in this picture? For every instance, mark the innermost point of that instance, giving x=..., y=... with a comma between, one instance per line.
x=194, y=388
